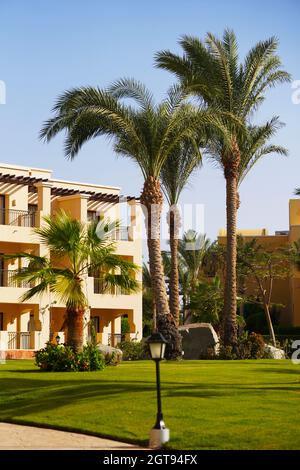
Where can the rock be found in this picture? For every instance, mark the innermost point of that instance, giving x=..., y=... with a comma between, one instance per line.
x=109, y=350
x=197, y=338
x=274, y=353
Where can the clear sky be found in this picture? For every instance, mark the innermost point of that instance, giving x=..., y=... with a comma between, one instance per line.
x=50, y=46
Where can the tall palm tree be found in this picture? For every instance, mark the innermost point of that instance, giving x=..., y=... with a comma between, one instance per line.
x=211, y=70
x=74, y=251
x=175, y=175
x=146, y=133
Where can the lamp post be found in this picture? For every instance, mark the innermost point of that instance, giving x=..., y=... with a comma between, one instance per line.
x=159, y=434
x=57, y=339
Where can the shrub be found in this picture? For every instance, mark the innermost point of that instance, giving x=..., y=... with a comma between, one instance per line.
x=133, y=350
x=250, y=346
x=90, y=358
x=112, y=358
x=61, y=358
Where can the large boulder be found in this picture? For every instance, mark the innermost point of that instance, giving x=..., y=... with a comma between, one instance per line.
x=274, y=353
x=109, y=352
x=197, y=338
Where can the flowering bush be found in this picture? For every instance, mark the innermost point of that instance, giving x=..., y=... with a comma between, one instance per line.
x=61, y=358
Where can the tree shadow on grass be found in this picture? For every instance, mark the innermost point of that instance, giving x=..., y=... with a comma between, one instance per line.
x=29, y=397
x=282, y=370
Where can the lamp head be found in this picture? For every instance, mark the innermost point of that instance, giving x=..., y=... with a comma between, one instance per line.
x=157, y=346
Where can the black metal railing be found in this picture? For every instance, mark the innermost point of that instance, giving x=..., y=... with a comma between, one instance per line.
x=8, y=279
x=115, y=339
x=100, y=287
x=17, y=218
x=20, y=340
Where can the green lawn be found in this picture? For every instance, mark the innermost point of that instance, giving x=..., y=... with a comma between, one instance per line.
x=207, y=404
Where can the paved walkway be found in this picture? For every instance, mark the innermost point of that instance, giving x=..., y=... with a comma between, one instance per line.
x=14, y=436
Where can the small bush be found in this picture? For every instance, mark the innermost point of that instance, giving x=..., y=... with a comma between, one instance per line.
x=133, y=350
x=61, y=358
x=250, y=346
x=112, y=359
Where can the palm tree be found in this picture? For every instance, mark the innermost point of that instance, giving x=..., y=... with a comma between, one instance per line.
x=146, y=133
x=192, y=248
x=81, y=251
x=211, y=70
x=297, y=192
x=148, y=298
x=174, y=177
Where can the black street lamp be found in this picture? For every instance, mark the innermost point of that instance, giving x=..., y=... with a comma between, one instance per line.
x=159, y=433
x=57, y=339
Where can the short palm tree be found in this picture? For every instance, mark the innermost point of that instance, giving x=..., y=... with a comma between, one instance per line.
x=175, y=175
x=211, y=70
x=192, y=249
x=148, y=298
x=146, y=133
x=74, y=251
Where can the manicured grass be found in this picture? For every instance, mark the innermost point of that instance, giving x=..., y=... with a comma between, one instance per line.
x=207, y=404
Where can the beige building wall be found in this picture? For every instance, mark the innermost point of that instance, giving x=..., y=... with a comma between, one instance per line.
x=32, y=324
x=285, y=291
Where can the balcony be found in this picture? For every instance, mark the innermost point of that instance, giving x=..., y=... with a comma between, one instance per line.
x=17, y=218
x=101, y=288
x=122, y=234
x=7, y=279
x=20, y=340
x=115, y=339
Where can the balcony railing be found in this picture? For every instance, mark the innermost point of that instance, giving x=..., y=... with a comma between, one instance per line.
x=17, y=218
x=20, y=340
x=7, y=279
x=101, y=288
x=115, y=339
x=122, y=234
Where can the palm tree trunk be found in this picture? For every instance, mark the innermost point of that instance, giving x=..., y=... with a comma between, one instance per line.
x=230, y=291
x=152, y=199
x=174, y=219
x=75, y=329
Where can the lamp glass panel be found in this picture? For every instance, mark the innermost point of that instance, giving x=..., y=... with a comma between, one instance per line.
x=155, y=350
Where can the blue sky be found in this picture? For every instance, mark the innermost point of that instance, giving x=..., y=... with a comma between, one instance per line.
x=47, y=47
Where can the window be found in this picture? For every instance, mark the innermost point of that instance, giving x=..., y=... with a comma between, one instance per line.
x=95, y=322
x=32, y=208
x=1, y=271
x=93, y=216
x=1, y=321
x=2, y=209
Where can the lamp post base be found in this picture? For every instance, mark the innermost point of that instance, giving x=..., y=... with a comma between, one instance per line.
x=158, y=437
